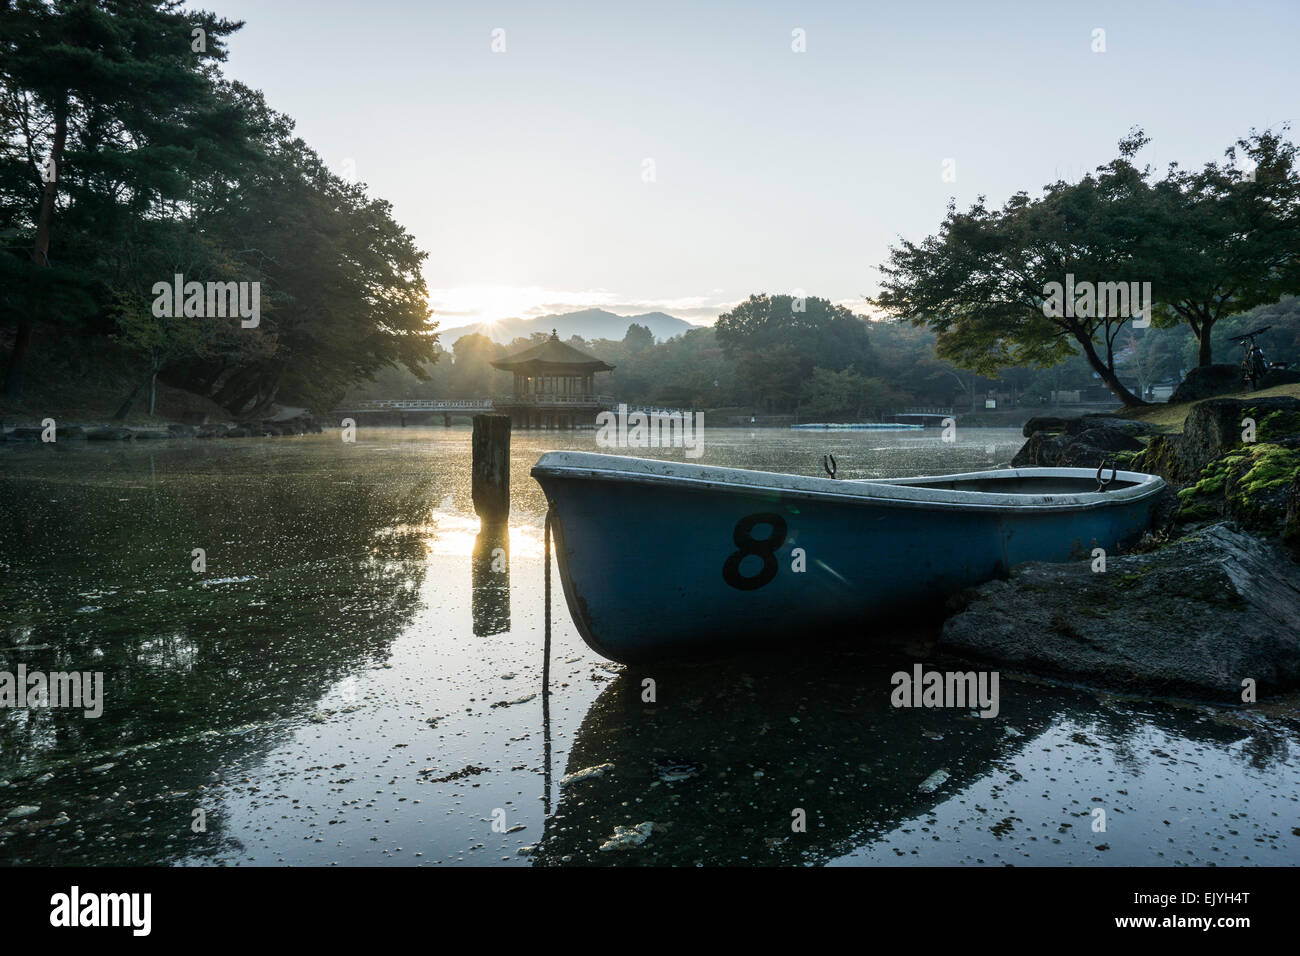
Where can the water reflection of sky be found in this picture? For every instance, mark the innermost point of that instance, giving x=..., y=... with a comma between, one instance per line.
x=352, y=681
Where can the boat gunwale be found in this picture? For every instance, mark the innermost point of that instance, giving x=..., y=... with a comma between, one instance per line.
x=889, y=492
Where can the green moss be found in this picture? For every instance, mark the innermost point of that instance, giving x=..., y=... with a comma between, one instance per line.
x=1237, y=481
x=1130, y=579
x=1275, y=425
x=1205, y=498
x=1272, y=466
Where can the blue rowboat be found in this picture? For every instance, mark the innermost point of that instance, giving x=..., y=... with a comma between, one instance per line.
x=660, y=559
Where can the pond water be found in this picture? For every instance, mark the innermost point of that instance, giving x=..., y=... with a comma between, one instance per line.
x=354, y=678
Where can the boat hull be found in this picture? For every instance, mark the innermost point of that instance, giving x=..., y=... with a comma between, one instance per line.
x=660, y=560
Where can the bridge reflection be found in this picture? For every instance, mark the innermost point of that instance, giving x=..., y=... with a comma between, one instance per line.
x=525, y=411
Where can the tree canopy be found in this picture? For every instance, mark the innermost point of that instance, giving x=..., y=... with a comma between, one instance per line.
x=1200, y=245
x=777, y=341
x=127, y=158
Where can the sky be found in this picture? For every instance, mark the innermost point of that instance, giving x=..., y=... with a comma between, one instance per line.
x=679, y=157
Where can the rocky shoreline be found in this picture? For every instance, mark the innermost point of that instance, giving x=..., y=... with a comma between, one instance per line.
x=299, y=425
x=1206, y=605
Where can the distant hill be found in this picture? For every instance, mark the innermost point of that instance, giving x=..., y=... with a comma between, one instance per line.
x=589, y=323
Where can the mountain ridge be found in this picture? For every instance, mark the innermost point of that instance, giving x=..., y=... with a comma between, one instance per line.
x=586, y=323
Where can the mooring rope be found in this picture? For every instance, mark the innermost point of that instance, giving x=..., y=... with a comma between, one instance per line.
x=546, y=559
x=546, y=660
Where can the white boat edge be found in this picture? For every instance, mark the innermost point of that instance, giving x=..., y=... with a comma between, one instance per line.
x=896, y=492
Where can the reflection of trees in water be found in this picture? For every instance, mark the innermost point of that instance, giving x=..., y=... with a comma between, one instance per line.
x=1266, y=747
x=720, y=764
x=1128, y=732
x=326, y=574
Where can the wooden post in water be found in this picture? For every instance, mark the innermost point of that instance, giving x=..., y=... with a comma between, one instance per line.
x=491, y=471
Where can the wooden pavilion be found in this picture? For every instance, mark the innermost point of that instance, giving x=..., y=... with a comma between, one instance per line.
x=554, y=386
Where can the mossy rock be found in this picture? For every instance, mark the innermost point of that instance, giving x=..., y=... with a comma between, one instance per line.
x=1276, y=425
x=1192, y=618
x=1251, y=484
x=1291, y=522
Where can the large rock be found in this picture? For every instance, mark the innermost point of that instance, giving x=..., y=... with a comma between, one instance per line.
x=1212, y=429
x=1206, y=382
x=1195, y=617
x=1075, y=426
x=1291, y=522
x=1041, y=450
x=1046, y=423
x=1280, y=376
x=1109, y=439
x=1083, y=442
x=109, y=433
x=1210, y=380
x=1096, y=445
x=1252, y=485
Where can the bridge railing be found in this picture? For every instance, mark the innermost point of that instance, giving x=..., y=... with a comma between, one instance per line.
x=487, y=404
x=590, y=400
x=657, y=410
x=416, y=404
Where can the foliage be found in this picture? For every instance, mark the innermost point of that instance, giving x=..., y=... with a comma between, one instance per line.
x=1210, y=243
x=777, y=341
x=165, y=167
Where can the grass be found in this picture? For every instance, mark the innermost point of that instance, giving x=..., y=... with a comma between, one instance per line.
x=1170, y=418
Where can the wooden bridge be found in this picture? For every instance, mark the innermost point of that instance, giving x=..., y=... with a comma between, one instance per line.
x=460, y=405
x=553, y=409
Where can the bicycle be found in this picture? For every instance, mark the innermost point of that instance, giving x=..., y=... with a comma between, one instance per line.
x=1253, y=364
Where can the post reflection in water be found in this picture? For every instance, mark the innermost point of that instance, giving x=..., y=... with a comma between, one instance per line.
x=490, y=580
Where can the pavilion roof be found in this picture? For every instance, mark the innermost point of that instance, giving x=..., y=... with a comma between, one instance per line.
x=552, y=357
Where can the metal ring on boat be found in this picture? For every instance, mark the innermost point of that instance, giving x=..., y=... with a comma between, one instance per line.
x=829, y=465
x=1103, y=482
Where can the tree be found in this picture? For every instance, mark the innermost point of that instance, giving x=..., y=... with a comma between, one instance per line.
x=472, y=374
x=982, y=283
x=777, y=341
x=339, y=276
x=1207, y=244
x=162, y=340
x=114, y=99
x=155, y=160
x=1226, y=239
x=844, y=394
x=638, y=338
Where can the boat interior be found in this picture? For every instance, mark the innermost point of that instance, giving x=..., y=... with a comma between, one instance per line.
x=1013, y=485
